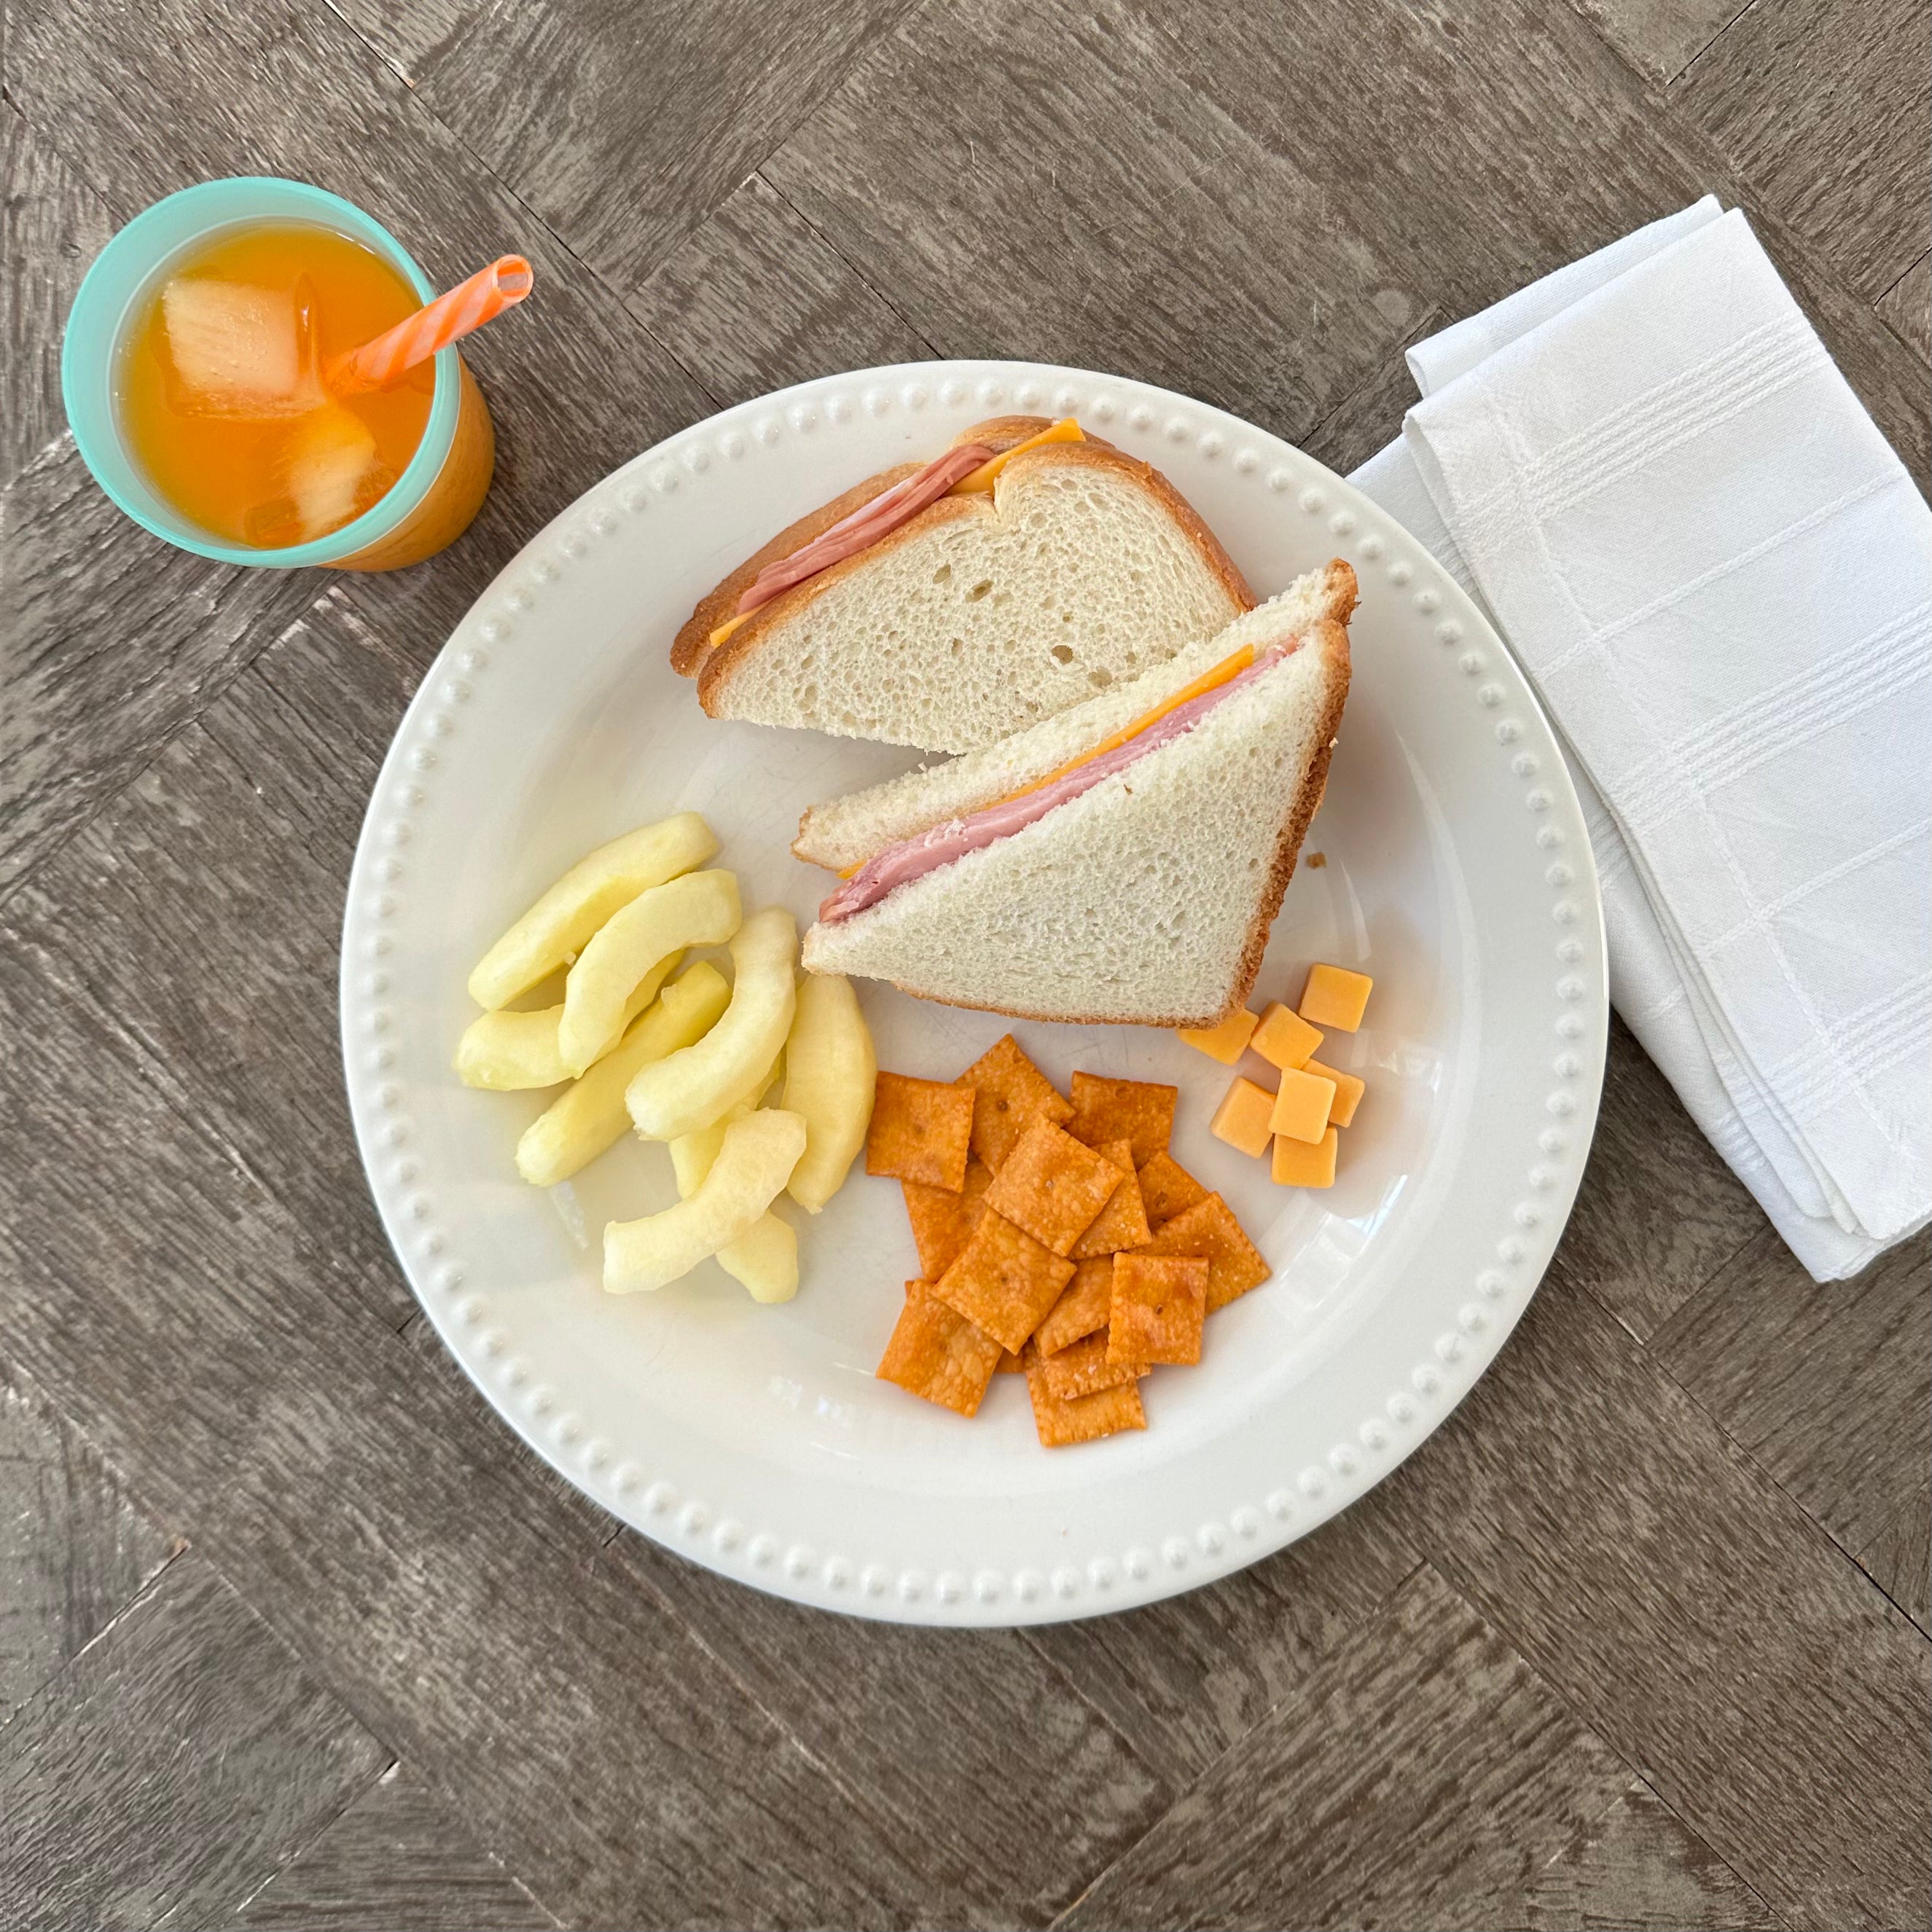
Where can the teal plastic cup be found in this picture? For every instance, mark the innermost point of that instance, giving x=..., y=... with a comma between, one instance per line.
x=117, y=290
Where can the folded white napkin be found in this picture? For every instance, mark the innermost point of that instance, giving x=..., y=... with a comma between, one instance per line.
x=1718, y=576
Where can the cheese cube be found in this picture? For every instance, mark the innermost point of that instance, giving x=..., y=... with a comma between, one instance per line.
x=1301, y=1105
x=1299, y=1164
x=1348, y=1093
x=1334, y=997
x=1284, y=1039
x=1242, y=1118
x=1225, y=1042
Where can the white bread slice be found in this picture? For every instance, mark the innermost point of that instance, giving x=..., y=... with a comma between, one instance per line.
x=842, y=834
x=1145, y=900
x=984, y=614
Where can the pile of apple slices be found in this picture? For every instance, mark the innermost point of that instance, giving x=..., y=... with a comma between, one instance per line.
x=692, y=1061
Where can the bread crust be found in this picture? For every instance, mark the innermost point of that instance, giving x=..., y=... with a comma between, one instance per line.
x=718, y=665
x=720, y=605
x=1332, y=639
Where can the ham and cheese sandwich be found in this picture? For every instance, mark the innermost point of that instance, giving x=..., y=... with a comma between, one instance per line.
x=945, y=605
x=1120, y=863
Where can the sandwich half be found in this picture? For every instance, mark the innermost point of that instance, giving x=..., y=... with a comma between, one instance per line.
x=1119, y=864
x=946, y=605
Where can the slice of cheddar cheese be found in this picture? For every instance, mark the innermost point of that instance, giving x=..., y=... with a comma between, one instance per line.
x=1230, y=667
x=977, y=481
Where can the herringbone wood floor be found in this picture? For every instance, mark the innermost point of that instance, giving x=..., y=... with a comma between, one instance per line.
x=292, y=1630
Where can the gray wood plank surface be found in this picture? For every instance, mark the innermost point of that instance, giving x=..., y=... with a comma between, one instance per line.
x=966, y=1741
x=74, y=1551
x=1660, y=38
x=51, y=226
x=228, y=1011
x=1427, y=1747
x=1660, y=1212
x=1370, y=416
x=622, y=128
x=1907, y=306
x=1899, y=1559
x=1185, y=1678
x=208, y=1754
x=754, y=299
x=113, y=642
x=1640, y=1869
x=401, y=1854
x=959, y=166
x=1537, y=144
x=1844, y=163
x=1687, y=1611
x=1829, y=1388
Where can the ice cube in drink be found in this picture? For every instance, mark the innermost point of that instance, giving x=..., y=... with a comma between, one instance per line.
x=327, y=470
x=239, y=350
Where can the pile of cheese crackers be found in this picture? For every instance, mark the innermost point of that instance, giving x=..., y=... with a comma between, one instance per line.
x=1057, y=1237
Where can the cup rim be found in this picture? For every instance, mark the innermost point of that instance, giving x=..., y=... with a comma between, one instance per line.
x=134, y=239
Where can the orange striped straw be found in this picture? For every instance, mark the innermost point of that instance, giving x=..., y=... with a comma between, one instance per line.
x=467, y=306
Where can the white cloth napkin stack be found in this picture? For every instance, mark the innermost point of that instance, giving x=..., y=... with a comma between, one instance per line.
x=1719, y=577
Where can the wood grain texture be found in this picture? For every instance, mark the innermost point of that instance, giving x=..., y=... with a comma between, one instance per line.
x=113, y=641
x=1899, y=1559
x=249, y=818
x=401, y=1854
x=1659, y=1213
x=1687, y=1611
x=171, y=1766
x=1427, y=1747
x=1907, y=306
x=668, y=109
x=1492, y=141
x=959, y=166
x=381, y=1527
x=50, y=227
x=74, y=1551
x=1828, y=1388
x=966, y=1741
x=1370, y=417
x=1640, y=1869
x=1660, y=38
x=755, y=298
x=1185, y=1678
x=1844, y=164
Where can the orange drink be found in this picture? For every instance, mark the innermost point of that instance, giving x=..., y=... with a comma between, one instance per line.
x=209, y=382
x=221, y=391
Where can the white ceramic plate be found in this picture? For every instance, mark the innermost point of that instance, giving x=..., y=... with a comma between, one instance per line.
x=1452, y=864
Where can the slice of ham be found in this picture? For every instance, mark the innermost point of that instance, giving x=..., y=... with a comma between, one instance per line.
x=865, y=525
x=940, y=844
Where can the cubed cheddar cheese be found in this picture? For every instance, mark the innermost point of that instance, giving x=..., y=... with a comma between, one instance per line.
x=1348, y=1091
x=1305, y=1163
x=1242, y=1118
x=1284, y=1039
x=1225, y=1042
x=1301, y=1105
x=1334, y=997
